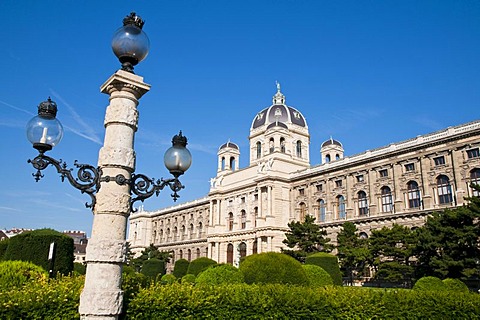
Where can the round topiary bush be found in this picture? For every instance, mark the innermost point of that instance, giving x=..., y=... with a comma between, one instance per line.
x=14, y=274
x=200, y=264
x=168, y=279
x=220, y=274
x=273, y=267
x=188, y=278
x=181, y=267
x=152, y=268
x=455, y=285
x=329, y=263
x=430, y=284
x=317, y=276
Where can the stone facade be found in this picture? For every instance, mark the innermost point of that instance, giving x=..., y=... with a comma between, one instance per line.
x=247, y=210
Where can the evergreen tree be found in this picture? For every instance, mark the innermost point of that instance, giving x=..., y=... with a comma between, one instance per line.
x=391, y=250
x=449, y=243
x=352, y=251
x=307, y=237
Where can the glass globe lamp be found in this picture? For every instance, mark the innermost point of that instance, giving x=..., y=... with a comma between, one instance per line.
x=130, y=44
x=177, y=158
x=44, y=131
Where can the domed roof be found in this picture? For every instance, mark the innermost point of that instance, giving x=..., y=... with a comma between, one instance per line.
x=229, y=145
x=278, y=112
x=330, y=142
x=277, y=124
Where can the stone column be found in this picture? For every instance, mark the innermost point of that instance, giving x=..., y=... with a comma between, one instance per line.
x=102, y=297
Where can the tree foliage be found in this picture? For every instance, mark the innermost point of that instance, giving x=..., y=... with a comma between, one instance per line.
x=149, y=253
x=449, y=243
x=352, y=251
x=306, y=237
x=391, y=250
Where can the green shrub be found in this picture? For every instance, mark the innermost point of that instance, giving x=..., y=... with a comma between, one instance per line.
x=430, y=284
x=79, y=268
x=455, y=285
x=200, y=264
x=181, y=267
x=329, y=263
x=168, y=279
x=275, y=301
x=273, y=267
x=34, y=246
x=54, y=299
x=152, y=268
x=188, y=278
x=15, y=274
x=3, y=247
x=317, y=277
x=220, y=274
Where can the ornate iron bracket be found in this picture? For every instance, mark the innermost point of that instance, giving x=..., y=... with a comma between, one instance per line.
x=144, y=187
x=87, y=180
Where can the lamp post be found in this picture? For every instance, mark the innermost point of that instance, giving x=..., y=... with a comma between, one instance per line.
x=113, y=186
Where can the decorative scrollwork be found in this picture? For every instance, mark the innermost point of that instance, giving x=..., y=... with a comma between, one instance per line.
x=144, y=187
x=87, y=180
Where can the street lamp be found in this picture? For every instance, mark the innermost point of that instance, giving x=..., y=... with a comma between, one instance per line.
x=113, y=186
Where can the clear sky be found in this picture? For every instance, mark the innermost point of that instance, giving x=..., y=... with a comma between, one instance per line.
x=368, y=73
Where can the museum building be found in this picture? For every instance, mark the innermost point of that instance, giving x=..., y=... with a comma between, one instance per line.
x=247, y=210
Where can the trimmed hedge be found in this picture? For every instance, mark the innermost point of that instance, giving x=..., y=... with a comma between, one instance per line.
x=34, y=246
x=317, y=276
x=153, y=267
x=14, y=274
x=274, y=301
x=188, y=278
x=181, y=267
x=329, y=263
x=200, y=264
x=430, y=284
x=273, y=267
x=455, y=285
x=220, y=274
x=168, y=279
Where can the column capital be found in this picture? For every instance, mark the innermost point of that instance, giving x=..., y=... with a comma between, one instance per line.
x=125, y=81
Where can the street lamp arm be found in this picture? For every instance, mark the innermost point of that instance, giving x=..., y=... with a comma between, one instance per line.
x=144, y=187
x=87, y=180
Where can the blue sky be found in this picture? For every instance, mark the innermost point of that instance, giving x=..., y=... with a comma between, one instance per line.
x=368, y=73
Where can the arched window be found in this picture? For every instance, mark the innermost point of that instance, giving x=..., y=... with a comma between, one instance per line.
x=230, y=253
x=244, y=219
x=191, y=229
x=183, y=231
x=337, y=157
x=161, y=235
x=322, y=210
x=200, y=229
x=387, y=203
x=198, y=253
x=255, y=246
x=303, y=211
x=363, y=235
x=230, y=221
x=413, y=195
x=180, y=254
x=175, y=233
x=327, y=158
x=444, y=190
x=282, y=145
x=475, y=179
x=299, y=148
x=242, y=247
x=154, y=236
x=362, y=203
x=189, y=255
x=259, y=149
x=271, y=145
x=223, y=163
x=342, y=213
x=232, y=163
x=173, y=256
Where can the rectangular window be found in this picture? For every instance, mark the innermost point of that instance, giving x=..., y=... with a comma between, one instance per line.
x=301, y=192
x=383, y=173
x=410, y=167
x=338, y=183
x=439, y=161
x=319, y=187
x=473, y=153
x=360, y=178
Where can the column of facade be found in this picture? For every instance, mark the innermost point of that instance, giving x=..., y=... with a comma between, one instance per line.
x=102, y=296
x=426, y=196
x=398, y=195
x=269, y=201
x=259, y=245
x=260, y=202
x=209, y=250
x=269, y=243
